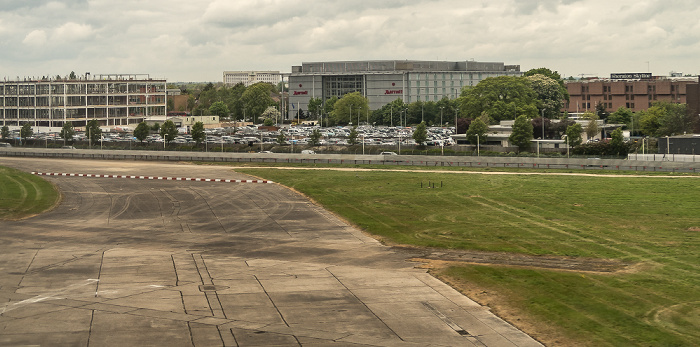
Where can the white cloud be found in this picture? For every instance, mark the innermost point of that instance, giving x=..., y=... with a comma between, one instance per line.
x=72, y=32
x=35, y=38
x=197, y=40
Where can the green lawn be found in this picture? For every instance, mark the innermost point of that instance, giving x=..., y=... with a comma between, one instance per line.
x=652, y=222
x=23, y=195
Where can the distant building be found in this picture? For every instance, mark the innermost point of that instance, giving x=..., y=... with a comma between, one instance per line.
x=383, y=81
x=112, y=100
x=693, y=101
x=231, y=78
x=636, y=94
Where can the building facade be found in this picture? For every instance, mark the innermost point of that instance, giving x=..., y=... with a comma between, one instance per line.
x=634, y=94
x=112, y=100
x=383, y=81
x=693, y=101
x=231, y=78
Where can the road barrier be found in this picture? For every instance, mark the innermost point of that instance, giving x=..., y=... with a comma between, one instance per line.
x=350, y=159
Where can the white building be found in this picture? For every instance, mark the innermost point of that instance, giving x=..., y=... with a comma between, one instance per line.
x=112, y=100
x=231, y=78
x=383, y=81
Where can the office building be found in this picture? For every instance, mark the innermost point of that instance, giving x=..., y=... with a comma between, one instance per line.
x=383, y=81
x=112, y=100
x=231, y=78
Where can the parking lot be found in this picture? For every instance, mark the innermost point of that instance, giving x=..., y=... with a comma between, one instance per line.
x=297, y=135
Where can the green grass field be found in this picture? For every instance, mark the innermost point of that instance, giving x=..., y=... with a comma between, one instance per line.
x=24, y=195
x=652, y=223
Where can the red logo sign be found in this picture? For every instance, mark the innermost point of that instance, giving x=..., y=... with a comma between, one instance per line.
x=397, y=91
x=304, y=92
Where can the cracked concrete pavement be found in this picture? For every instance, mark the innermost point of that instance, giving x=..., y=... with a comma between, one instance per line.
x=139, y=262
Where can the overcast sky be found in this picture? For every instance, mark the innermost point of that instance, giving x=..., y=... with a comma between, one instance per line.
x=196, y=40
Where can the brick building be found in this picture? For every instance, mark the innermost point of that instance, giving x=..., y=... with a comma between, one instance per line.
x=693, y=101
x=637, y=95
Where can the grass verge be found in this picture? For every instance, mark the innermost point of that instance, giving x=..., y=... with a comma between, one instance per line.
x=23, y=195
x=653, y=222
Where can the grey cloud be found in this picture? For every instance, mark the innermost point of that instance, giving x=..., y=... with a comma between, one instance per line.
x=11, y=5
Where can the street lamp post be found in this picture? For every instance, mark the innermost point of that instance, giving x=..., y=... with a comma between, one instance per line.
x=441, y=108
x=478, y=152
x=456, y=112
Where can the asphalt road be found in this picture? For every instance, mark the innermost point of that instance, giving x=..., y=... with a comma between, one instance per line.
x=134, y=262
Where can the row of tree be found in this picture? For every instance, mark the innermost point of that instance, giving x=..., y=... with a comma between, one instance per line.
x=236, y=102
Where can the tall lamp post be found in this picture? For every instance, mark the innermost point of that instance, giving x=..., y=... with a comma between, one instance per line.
x=441, y=108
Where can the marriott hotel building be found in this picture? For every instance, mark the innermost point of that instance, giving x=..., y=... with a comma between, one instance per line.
x=383, y=81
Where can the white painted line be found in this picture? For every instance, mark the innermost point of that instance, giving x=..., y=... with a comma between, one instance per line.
x=151, y=177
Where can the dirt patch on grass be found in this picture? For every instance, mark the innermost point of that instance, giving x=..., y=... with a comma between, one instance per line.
x=503, y=306
x=513, y=259
x=694, y=229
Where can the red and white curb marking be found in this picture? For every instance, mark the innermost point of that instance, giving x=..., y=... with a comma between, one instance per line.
x=151, y=177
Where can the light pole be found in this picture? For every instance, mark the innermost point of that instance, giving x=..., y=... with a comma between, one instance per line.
x=392, y=115
x=441, y=108
x=478, y=152
x=456, y=112
x=567, y=145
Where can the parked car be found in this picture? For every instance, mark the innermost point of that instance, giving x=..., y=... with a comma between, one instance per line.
x=67, y=147
x=388, y=153
x=5, y=144
x=308, y=151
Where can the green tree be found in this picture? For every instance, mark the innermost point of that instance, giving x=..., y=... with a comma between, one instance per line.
x=315, y=107
x=617, y=142
x=271, y=113
x=67, y=131
x=168, y=131
x=353, y=103
x=72, y=76
x=256, y=99
x=170, y=106
x=25, y=132
x=352, y=137
x=315, y=137
x=522, y=133
x=155, y=127
x=268, y=122
x=601, y=111
x=142, y=131
x=420, y=135
x=5, y=132
x=330, y=104
x=93, y=131
x=390, y=113
x=675, y=120
x=477, y=132
x=219, y=108
x=500, y=98
x=549, y=95
x=573, y=134
x=551, y=74
x=592, y=128
x=621, y=116
x=197, y=132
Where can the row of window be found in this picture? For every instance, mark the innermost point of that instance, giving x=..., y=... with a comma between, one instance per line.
x=78, y=112
x=444, y=76
x=113, y=88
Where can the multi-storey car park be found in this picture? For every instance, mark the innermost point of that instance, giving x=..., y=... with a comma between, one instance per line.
x=383, y=81
x=112, y=100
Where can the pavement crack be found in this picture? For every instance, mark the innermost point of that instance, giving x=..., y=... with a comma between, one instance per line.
x=271, y=301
